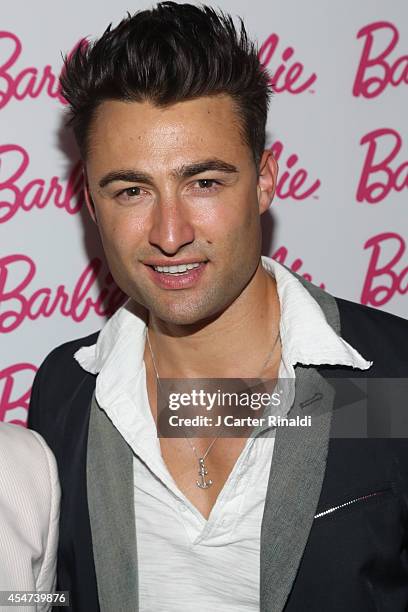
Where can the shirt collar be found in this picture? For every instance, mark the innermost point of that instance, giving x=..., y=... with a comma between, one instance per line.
x=307, y=338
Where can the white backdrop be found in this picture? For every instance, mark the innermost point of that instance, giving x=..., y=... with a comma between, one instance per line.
x=338, y=125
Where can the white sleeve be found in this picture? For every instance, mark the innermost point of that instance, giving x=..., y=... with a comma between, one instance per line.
x=46, y=580
x=29, y=513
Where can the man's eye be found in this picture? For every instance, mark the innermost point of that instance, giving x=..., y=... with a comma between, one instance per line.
x=131, y=195
x=207, y=183
x=130, y=192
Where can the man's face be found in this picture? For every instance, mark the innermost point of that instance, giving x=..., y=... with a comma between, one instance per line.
x=177, y=185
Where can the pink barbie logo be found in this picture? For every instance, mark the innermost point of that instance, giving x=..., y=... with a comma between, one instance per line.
x=281, y=255
x=286, y=74
x=18, y=303
x=385, y=277
x=8, y=399
x=293, y=182
x=377, y=70
x=30, y=82
x=36, y=193
x=382, y=170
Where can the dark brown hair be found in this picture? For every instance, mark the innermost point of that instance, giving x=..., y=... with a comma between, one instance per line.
x=168, y=54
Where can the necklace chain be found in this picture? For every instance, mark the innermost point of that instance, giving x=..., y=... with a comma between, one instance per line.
x=159, y=383
x=202, y=483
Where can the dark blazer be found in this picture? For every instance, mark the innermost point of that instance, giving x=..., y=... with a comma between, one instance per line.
x=335, y=527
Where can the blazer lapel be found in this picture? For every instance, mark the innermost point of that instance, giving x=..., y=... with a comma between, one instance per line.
x=296, y=476
x=111, y=512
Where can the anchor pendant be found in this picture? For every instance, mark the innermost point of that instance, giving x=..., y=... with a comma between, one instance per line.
x=203, y=484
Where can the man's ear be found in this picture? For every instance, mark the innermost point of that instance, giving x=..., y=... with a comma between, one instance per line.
x=267, y=177
x=88, y=199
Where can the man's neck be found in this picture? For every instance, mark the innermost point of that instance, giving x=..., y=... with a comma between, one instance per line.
x=235, y=344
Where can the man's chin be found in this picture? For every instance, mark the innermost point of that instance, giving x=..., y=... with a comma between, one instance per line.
x=193, y=317
x=196, y=310
x=180, y=318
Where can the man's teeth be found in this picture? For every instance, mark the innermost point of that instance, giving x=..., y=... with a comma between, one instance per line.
x=180, y=269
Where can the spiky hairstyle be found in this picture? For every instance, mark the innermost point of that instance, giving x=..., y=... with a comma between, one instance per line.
x=171, y=53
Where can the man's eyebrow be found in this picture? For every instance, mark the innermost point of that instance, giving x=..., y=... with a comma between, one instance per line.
x=208, y=165
x=129, y=176
x=184, y=171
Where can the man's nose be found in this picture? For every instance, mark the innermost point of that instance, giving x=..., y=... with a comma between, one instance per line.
x=171, y=228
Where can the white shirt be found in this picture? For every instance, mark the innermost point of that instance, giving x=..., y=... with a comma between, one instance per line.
x=186, y=562
x=29, y=514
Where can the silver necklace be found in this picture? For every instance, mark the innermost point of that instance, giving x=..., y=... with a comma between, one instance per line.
x=202, y=469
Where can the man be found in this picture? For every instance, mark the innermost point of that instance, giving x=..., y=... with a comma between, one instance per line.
x=29, y=513
x=169, y=111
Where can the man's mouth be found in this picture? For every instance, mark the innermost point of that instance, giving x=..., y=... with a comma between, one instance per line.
x=178, y=269
x=177, y=276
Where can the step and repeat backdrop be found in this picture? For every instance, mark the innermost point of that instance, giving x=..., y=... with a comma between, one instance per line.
x=337, y=125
